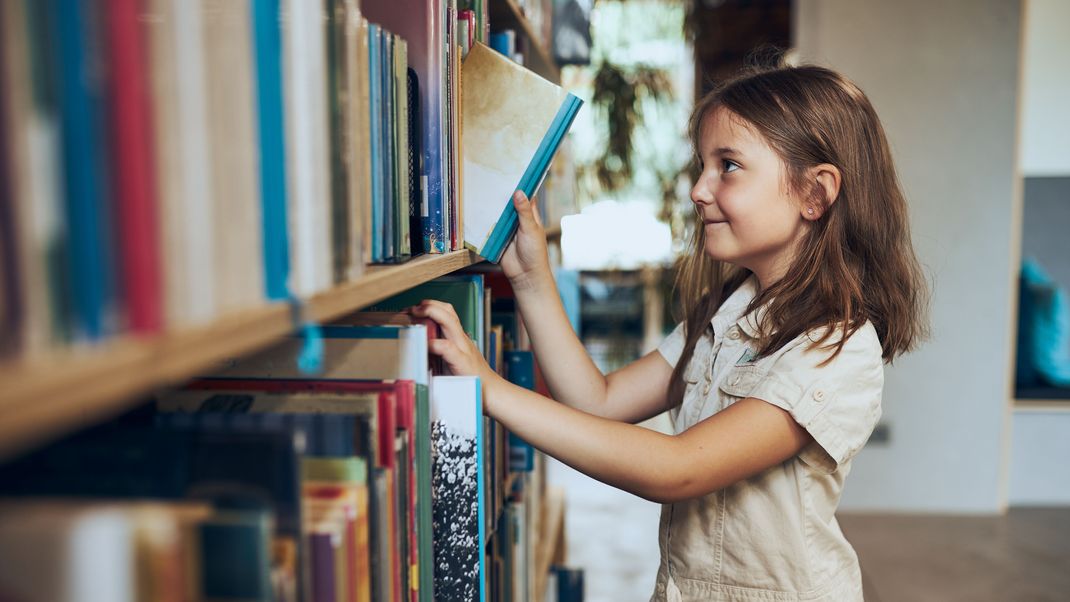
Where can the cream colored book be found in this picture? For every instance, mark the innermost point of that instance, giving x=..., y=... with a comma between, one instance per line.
x=512, y=124
x=237, y=227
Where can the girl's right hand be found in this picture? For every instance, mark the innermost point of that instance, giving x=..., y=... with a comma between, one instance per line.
x=525, y=261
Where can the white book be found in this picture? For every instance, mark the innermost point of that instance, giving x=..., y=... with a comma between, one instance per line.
x=183, y=166
x=321, y=152
x=34, y=151
x=237, y=221
x=75, y=555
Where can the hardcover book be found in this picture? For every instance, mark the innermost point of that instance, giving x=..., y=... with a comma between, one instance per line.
x=512, y=124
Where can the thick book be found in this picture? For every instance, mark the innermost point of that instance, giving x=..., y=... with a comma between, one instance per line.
x=520, y=370
x=267, y=39
x=11, y=327
x=464, y=292
x=87, y=187
x=31, y=140
x=458, y=488
x=513, y=122
x=307, y=151
x=177, y=75
x=338, y=86
x=133, y=170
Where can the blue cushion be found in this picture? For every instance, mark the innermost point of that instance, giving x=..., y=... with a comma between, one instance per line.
x=1043, y=356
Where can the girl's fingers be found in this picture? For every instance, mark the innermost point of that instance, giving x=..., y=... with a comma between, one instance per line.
x=535, y=215
x=523, y=210
x=441, y=347
x=444, y=315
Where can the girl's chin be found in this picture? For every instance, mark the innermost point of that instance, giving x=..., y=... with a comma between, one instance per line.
x=717, y=254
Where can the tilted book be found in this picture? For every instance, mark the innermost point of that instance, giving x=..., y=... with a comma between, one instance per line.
x=512, y=124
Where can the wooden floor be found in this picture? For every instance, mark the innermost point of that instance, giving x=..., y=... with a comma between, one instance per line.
x=1023, y=556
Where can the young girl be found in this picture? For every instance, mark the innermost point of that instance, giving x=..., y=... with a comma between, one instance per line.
x=801, y=286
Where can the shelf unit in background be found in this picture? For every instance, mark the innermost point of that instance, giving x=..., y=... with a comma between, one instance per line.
x=507, y=14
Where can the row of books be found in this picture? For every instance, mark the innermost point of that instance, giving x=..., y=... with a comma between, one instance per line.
x=379, y=479
x=165, y=163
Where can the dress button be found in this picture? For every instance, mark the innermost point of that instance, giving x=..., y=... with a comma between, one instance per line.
x=734, y=333
x=819, y=395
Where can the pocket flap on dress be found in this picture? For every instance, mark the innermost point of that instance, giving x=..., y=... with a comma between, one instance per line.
x=741, y=380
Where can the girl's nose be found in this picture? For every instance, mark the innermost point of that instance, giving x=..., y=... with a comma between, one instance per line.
x=701, y=193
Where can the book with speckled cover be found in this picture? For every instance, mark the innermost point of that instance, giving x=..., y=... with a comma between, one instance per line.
x=458, y=497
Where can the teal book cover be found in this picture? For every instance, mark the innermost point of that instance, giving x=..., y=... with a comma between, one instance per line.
x=512, y=123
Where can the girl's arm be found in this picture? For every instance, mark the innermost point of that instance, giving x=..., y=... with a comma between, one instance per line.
x=631, y=394
x=743, y=440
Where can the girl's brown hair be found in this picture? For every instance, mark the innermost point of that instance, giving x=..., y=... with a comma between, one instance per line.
x=856, y=263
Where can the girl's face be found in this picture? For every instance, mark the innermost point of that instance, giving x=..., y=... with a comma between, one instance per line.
x=750, y=218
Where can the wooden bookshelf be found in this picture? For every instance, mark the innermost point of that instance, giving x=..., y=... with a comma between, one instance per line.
x=506, y=14
x=48, y=396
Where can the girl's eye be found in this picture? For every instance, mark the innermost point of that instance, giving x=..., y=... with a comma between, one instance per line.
x=729, y=165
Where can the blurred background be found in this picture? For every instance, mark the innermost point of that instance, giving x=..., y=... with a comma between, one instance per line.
x=962, y=492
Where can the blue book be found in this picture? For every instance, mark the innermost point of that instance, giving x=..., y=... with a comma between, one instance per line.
x=507, y=143
x=386, y=72
x=268, y=50
x=520, y=370
x=504, y=42
x=376, y=122
x=77, y=33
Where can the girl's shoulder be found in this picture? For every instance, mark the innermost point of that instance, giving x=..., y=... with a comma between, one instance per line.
x=820, y=349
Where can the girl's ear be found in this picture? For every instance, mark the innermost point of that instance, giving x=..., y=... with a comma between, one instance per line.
x=825, y=190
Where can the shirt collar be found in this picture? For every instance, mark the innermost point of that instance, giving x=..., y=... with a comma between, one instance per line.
x=732, y=310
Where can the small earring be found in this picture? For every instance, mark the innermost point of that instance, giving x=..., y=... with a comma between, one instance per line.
x=810, y=210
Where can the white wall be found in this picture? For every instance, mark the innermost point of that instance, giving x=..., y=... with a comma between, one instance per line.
x=1040, y=458
x=943, y=77
x=1045, y=147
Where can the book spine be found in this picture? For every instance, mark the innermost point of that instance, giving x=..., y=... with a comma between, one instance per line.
x=355, y=154
x=376, y=121
x=436, y=214
x=135, y=181
x=389, y=136
x=272, y=145
x=338, y=98
x=11, y=324
x=416, y=165
x=81, y=86
x=237, y=211
x=401, y=83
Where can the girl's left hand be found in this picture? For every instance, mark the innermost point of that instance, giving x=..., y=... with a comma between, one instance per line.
x=457, y=350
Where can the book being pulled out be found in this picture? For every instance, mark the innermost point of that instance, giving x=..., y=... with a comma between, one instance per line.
x=512, y=123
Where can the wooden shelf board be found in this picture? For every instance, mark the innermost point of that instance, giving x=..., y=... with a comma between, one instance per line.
x=547, y=544
x=1042, y=405
x=45, y=397
x=507, y=14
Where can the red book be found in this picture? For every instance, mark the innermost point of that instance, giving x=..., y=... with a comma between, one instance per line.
x=134, y=178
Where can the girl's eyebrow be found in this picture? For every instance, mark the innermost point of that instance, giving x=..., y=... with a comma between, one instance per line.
x=726, y=150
